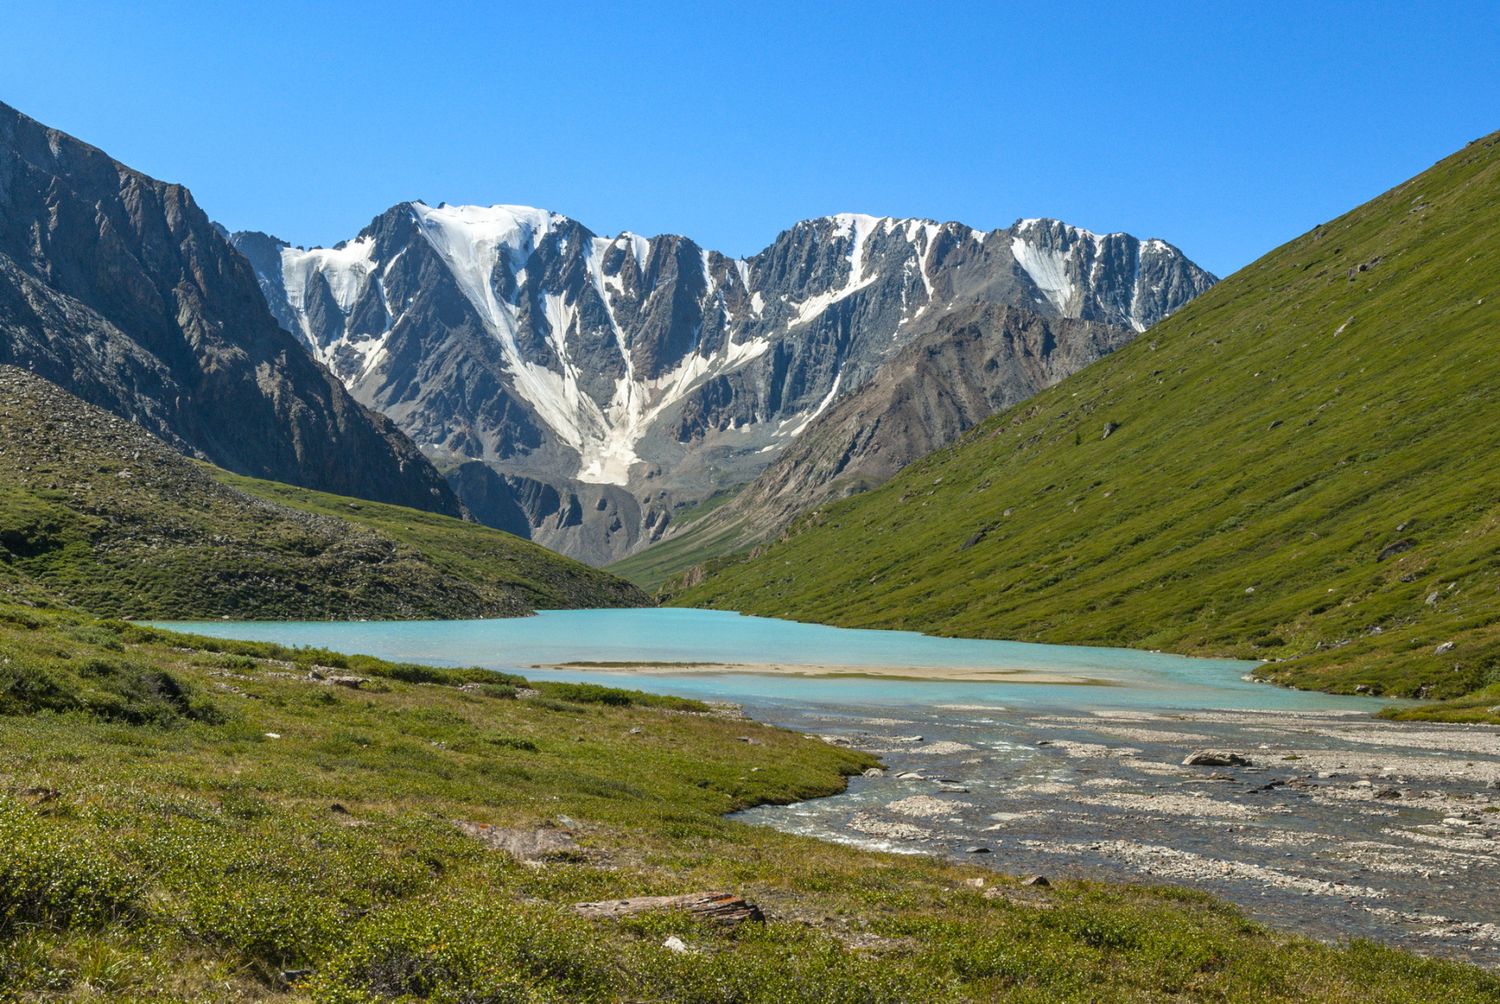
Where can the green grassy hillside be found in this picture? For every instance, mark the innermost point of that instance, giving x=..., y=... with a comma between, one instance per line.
x=96, y=512
x=1299, y=466
x=192, y=820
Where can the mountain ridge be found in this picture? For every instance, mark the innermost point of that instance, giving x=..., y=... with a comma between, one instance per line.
x=519, y=338
x=117, y=286
x=972, y=363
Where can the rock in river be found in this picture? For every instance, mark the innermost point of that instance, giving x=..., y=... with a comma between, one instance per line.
x=1215, y=758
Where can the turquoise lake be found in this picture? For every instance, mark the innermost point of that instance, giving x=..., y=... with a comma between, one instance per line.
x=1134, y=678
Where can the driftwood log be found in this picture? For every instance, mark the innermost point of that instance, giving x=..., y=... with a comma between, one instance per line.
x=722, y=907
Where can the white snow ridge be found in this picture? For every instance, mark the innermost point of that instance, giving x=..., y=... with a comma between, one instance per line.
x=575, y=326
x=475, y=240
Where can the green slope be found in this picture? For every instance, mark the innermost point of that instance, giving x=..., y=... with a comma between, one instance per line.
x=95, y=512
x=1301, y=467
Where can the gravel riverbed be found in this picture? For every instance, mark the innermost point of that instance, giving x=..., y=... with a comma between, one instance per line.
x=1340, y=826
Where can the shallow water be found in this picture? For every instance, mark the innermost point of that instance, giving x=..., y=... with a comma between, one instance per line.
x=1343, y=826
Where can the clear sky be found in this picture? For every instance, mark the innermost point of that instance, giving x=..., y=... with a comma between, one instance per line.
x=1223, y=128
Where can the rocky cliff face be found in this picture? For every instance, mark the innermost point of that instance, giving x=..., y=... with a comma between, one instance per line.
x=654, y=369
x=972, y=363
x=117, y=287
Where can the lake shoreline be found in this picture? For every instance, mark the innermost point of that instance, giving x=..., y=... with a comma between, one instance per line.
x=1025, y=751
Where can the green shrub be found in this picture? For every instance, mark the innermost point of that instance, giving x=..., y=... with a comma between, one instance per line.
x=267, y=920
x=49, y=879
x=26, y=689
x=463, y=951
x=512, y=743
x=591, y=693
x=140, y=695
x=107, y=688
x=412, y=672
x=586, y=693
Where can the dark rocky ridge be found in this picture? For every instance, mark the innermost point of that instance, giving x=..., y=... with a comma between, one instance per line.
x=590, y=522
x=117, y=287
x=97, y=512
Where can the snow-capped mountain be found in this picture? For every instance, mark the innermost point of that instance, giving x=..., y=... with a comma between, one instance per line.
x=590, y=383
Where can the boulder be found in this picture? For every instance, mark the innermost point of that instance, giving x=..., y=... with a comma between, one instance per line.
x=1215, y=758
x=531, y=844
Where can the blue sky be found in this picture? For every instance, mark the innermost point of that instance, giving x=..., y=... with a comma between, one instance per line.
x=1224, y=128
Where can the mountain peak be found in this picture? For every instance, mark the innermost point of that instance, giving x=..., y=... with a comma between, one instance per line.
x=516, y=337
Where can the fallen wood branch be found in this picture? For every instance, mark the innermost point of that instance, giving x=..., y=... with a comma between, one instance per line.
x=721, y=907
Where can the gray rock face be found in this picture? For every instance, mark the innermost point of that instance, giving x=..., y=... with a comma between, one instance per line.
x=972, y=362
x=519, y=339
x=117, y=287
x=1215, y=758
x=592, y=521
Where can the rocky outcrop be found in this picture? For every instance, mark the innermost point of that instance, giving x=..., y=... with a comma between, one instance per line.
x=519, y=339
x=117, y=287
x=719, y=907
x=590, y=522
x=99, y=513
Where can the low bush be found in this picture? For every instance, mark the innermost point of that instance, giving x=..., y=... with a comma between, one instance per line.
x=109, y=688
x=412, y=672
x=591, y=693
x=48, y=879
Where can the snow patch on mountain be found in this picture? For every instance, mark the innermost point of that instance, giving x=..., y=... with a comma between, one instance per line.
x=503, y=259
x=347, y=272
x=474, y=241
x=1048, y=268
x=855, y=228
